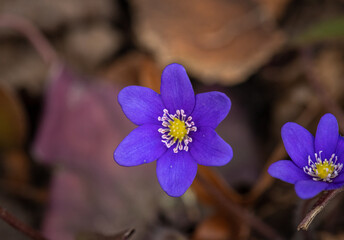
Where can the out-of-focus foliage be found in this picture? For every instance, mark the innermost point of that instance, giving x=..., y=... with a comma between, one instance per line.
x=330, y=29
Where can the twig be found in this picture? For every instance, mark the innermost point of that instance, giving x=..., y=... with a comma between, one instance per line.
x=240, y=212
x=19, y=225
x=37, y=39
x=128, y=233
x=325, y=198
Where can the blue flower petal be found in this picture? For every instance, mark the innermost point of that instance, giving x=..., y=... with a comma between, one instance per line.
x=142, y=145
x=334, y=185
x=287, y=171
x=176, y=172
x=309, y=188
x=298, y=142
x=327, y=135
x=340, y=149
x=210, y=109
x=141, y=105
x=176, y=89
x=208, y=148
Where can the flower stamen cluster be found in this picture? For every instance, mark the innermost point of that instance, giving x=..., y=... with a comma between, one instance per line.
x=324, y=170
x=176, y=130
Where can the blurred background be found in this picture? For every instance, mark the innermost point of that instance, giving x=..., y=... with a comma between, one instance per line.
x=62, y=64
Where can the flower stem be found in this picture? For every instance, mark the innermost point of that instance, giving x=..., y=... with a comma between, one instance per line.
x=19, y=225
x=325, y=198
x=245, y=215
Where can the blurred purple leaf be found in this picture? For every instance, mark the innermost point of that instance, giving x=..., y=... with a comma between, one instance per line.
x=81, y=126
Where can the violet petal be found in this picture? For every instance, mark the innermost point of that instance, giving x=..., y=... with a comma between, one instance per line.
x=176, y=172
x=208, y=148
x=298, y=142
x=176, y=89
x=309, y=188
x=210, y=109
x=142, y=145
x=326, y=137
x=340, y=149
x=141, y=105
x=287, y=171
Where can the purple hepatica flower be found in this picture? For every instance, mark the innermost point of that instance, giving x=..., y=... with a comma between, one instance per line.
x=316, y=162
x=176, y=128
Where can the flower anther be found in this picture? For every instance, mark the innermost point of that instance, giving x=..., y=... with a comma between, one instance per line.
x=176, y=130
x=323, y=170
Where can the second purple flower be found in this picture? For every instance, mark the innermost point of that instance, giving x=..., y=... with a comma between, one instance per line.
x=317, y=163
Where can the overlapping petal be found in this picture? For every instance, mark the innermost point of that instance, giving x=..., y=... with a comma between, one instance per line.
x=209, y=149
x=287, y=171
x=335, y=185
x=340, y=149
x=142, y=145
x=176, y=89
x=141, y=105
x=326, y=137
x=176, y=172
x=210, y=109
x=309, y=188
x=298, y=142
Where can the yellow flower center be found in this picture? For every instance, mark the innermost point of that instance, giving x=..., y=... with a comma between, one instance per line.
x=176, y=130
x=324, y=170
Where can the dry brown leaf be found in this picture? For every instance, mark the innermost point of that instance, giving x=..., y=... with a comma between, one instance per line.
x=217, y=40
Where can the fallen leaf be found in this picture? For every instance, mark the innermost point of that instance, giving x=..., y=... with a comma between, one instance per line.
x=217, y=41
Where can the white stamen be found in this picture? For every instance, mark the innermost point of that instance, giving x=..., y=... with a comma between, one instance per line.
x=168, y=136
x=333, y=168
